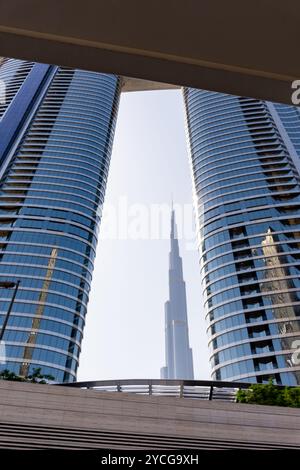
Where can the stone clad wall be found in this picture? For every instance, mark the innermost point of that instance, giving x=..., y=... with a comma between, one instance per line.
x=45, y=416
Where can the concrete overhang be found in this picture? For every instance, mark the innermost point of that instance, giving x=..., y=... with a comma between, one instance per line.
x=246, y=48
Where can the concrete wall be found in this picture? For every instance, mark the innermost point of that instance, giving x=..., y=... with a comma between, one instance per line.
x=44, y=416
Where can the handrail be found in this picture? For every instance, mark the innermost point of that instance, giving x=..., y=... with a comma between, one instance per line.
x=190, y=383
x=196, y=389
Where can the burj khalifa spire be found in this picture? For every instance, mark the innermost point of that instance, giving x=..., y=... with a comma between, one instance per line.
x=179, y=356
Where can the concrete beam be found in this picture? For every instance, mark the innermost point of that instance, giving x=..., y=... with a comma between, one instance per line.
x=246, y=48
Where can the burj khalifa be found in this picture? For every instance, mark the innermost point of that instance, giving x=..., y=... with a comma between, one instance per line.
x=179, y=356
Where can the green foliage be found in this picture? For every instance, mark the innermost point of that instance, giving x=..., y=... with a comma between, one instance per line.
x=270, y=394
x=38, y=377
x=8, y=375
x=35, y=377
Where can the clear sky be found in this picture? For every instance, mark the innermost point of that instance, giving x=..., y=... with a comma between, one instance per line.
x=124, y=333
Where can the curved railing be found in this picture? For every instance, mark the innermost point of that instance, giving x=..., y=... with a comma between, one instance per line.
x=196, y=389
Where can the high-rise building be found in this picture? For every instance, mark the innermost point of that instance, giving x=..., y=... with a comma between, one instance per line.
x=179, y=356
x=56, y=133
x=245, y=163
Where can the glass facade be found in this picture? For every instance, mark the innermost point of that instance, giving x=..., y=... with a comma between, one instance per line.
x=245, y=164
x=290, y=118
x=50, y=195
x=13, y=73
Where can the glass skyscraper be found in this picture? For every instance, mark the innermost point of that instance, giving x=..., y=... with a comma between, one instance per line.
x=178, y=353
x=245, y=164
x=56, y=133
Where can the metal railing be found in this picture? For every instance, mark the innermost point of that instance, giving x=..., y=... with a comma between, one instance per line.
x=193, y=389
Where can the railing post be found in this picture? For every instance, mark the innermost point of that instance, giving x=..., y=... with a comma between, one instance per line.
x=150, y=388
x=119, y=387
x=181, y=392
x=211, y=391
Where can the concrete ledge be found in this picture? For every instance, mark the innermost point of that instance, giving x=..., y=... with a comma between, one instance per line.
x=122, y=420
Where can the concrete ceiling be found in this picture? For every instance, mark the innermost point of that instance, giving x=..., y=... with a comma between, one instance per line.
x=243, y=47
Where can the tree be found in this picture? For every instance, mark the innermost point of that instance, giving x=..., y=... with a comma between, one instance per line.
x=6, y=374
x=38, y=377
x=35, y=377
x=270, y=394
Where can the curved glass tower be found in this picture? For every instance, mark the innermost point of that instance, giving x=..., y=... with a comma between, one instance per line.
x=245, y=164
x=57, y=127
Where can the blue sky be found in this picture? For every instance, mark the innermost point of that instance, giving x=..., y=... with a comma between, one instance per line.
x=124, y=334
